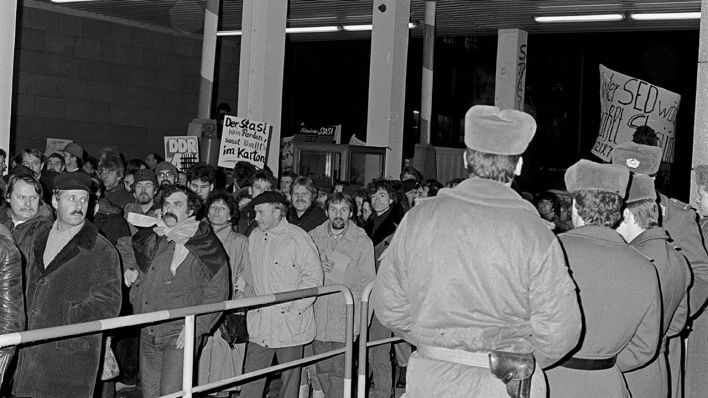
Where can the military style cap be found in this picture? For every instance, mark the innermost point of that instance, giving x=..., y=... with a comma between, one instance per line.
x=591, y=176
x=74, y=149
x=702, y=175
x=499, y=131
x=641, y=159
x=268, y=197
x=144, y=175
x=641, y=188
x=78, y=180
x=166, y=166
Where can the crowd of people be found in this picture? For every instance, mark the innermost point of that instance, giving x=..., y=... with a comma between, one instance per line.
x=87, y=238
x=600, y=287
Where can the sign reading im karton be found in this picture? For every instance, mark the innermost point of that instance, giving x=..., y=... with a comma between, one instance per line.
x=627, y=103
x=244, y=140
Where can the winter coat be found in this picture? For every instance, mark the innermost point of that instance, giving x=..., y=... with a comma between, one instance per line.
x=674, y=274
x=283, y=258
x=696, y=366
x=12, y=301
x=475, y=269
x=353, y=246
x=621, y=304
x=81, y=284
x=310, y=219
x=26, y=232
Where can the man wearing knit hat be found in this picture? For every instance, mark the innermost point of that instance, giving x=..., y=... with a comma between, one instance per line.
x=283, y=257
x=166, y=173
x=73, y=276
x=475, y=279
x=640, y=228
x=73, y=157
x=144, y=189
x=618, y=289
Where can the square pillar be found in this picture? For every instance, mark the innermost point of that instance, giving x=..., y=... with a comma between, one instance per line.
x=511, y=69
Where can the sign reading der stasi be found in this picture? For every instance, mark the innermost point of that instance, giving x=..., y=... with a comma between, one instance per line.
x=244, y=140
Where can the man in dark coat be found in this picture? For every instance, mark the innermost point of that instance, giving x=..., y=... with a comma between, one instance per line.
x=73, y=276
x=305, y=213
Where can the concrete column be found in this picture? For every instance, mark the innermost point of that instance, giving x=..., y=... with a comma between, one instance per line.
x=700, y=122
x=211, y=22
x=387, y=80
x=511, y=69
x=260, y=87
x=426, y=100
x=8, y=24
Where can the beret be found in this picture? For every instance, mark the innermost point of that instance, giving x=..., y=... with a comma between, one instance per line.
x=503, y=132
x=74, y=149
x=268, y=197
x=641, y=159
x=702, y=175
x=77, y=180
x=588, y=175
x=641, y=188
x=166, y=166
x=141, y=175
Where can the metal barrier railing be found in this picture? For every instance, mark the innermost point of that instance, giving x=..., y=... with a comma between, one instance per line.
x=364, y=345
x=189, y=315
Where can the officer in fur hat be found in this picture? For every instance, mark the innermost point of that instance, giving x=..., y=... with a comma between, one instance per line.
x=475, y=279
x=618, y=288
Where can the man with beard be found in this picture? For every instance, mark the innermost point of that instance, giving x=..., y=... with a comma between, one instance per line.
x=283, y=258
x=179, y=263
x=347, y=256
x=144, y=189
x=305, y=213
x=73, y=276
x=166, y=173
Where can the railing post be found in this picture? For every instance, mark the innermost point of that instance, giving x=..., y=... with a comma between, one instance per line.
x=363, y=339
x=349, y=344
x=188, y=358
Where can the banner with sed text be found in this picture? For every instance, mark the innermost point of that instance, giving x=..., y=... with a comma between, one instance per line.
x=244, y=140
x=627, y=103
x=182, y=151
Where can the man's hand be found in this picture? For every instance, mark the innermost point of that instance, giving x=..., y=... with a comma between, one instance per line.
x=327, y=264
x=180, y=340
x=130, y=276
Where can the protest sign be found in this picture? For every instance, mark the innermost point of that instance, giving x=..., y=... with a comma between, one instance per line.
x=319, y=135
x=286, y=153
x=627, y=103
x=182, y=151
x=55, y=145
x=244, y=140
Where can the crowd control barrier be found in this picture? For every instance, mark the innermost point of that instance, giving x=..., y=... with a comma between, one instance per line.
x=364, y=345
x=189, y=314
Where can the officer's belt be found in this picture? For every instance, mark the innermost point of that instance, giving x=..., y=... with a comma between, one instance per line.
x=477, y=359
x=589, y=364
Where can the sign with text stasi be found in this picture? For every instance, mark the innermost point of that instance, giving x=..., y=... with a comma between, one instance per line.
x=627, y=103
x=244, y=140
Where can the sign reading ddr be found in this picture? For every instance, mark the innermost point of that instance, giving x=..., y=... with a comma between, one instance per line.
x=182, y=151
x=244, y=140
x=627, y=103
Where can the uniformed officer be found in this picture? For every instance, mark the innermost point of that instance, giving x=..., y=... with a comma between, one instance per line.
x=474, y=274
x=640, y=227
x=618, y=289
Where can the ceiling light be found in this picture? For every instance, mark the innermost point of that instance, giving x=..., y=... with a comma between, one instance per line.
x=580, y=18
x=665, y=16
x=313, y=29
x=228, y=33
x=71, y=1
x=359, y=28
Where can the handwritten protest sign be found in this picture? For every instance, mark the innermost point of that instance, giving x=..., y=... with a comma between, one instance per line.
x=286, y=153
x=627, y=103
x=55, y=145
x=244, y=139
x=182, y=151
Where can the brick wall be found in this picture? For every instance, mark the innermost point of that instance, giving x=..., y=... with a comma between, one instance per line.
x=103, y=83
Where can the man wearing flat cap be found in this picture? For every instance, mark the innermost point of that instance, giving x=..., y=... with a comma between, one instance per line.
x=679, y=220
x=475, y=279
x=73, y=276
x=283, y=257
x=640, y=228
x=618, y=289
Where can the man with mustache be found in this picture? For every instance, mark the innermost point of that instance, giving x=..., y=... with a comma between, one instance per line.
x=166, y=173
x=73, y=276
x=177, y=264
x=304, y=212
x=347, y=256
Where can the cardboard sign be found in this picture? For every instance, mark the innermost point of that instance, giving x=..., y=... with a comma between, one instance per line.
x=244, y=140
x=627, y=103
x=319, y=135
x=286, y=153
x=182, y=151
x=55, y=145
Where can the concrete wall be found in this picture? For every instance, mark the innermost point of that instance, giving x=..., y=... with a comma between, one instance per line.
x=104, y=83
